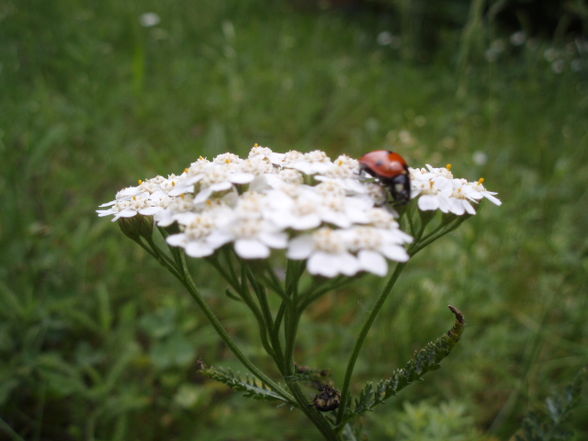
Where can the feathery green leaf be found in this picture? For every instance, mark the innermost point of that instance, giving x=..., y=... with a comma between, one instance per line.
x=423, y=361
x=250, y=386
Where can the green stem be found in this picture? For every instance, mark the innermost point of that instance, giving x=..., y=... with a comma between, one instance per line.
x=272, y=280
x=438, y=233
x=225, y=275
x=263, y=321
x=292, y=316
x=348, y=433
x=292, y=328
x=183, y=275
x=318, y=420
x=242, y=291
x=274, y=349
x=362, y=336
x=314, y=294
x=160, y=257
x=189, y=283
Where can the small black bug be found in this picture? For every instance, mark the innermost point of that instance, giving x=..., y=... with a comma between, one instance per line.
x=327, y=399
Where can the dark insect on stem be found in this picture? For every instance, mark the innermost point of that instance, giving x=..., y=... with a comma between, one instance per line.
x=327, y=399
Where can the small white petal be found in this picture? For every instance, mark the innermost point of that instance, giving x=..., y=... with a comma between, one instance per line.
x=279, y=200
x=373, y=262
x=198, y=249
x=219, y=238
x=322, y=264
x=251, y=249
x=176, y=240
x=347, y=264
x=271, y=180
x=241, y=178
x=164, y=218
x=102, y=213
x=274, y=240
x=428, y=202
x=336, y=218
x=300, y=247
x=150, y=211
x=492, y=199
x=469, y=207
x=127, y=193
x=203, y=195
x=185, y=218
x=456, y=206
x=221, y=186
x=127, y=213
x=394, y=252
x=193, y=179
x=181, y=189
x=396, y=236
x=305, y=222
x=444, y=203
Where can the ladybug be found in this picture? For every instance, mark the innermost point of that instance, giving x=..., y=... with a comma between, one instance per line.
x=391, y=170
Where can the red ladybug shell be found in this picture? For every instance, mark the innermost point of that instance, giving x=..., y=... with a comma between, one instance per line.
x=384, y=164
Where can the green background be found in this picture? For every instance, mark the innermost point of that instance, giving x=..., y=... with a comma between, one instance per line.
x=97, y=342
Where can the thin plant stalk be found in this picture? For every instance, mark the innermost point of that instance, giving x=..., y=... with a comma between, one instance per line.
x=361, y=339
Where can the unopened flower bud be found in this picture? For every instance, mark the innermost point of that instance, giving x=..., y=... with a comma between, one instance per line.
x=137, y=226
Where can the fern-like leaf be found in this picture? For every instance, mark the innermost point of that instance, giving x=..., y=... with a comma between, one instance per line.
x=550, y=425
x=423, y=361
x=248, y=385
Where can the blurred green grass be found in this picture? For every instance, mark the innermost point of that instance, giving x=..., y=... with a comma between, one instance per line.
x=98, y=343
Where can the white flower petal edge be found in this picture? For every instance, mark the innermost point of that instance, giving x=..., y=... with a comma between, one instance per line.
x=251, y=249
x=300, y=247
x=373, y=262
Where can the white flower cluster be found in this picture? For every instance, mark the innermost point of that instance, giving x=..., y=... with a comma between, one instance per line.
x=316, y=209
x=437, y=189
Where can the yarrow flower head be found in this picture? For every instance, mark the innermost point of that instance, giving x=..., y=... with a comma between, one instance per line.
x=325, y=212
x=437, y=189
